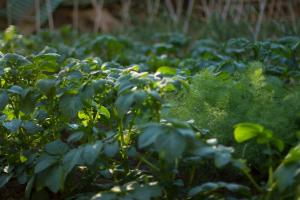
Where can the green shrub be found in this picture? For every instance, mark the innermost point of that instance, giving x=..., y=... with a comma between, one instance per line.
x=218, y=102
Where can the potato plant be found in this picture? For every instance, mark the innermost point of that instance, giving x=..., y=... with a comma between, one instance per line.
x=83, y=118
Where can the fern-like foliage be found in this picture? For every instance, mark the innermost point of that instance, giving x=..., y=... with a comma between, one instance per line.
x=217, y=103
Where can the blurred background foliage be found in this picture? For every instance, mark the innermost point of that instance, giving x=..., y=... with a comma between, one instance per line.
x=217, y=19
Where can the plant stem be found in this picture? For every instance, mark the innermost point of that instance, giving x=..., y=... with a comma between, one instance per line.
x=252, y=180
x=192, y=175
x=143, y=159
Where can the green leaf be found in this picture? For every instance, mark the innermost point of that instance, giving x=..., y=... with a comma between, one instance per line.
x=9, y=33
x=31, y=127
x=28, y=102
x=146, y=192
x=293, y=155
x=111, y=149
x=3, y=100
x=29, y=187
x=13, y=60
x=247, y=131
x=104, y=111
x=213, y=187
x=55, y=178
x=166, y=70
x=56, y=148
x=71, y=159
x=123, y=103
x=47, y=62
x=4, y=178
x=285, y=176
x=104, y=196
x=13, y=126
x=16, y=90
x=44, y=162
x=149, y=135
x=69, y=105
x=91, y=152
x=222, y=159
x=279, y=144
x=46, y=85
x=75, y=137
x=171, y=144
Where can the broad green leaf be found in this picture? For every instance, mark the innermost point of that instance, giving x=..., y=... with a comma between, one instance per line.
x=56, y=147
x=171, y=144
x=247, y=131
x=29, y=187
x=1, y=69
x=146, y=192
x=166, y=70
x=111, y=149
x=222, y=159
x=87, y=92
x=44, y=162
x=104, y=111
x=123, y=103
x=188, y=132
x=28, y=103
x=75, y=137
x=214, y=186
x=55, y=178
x=69, y=105
x=285, y=176
x=279, y=144
x=31, y=127
x=104, y=196
x=13, y=126
x=4, y=178
x=91, y=152
x=49, y=57
x=46, y=85
x=16, y=90
x=71, y=159
x=293, y=155
x=3, y=100
x=149, y=135
x=13, y=60
x=9, y=33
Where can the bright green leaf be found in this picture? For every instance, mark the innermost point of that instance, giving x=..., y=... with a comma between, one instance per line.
x=246, y=131
x=166, y=70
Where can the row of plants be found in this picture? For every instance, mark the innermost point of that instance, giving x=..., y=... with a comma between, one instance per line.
x=97, y=117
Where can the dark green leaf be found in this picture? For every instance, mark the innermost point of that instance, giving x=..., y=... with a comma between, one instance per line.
x=4, y=178
x=71, y=159
x=13, y=126
x=91, y=152
x=46, y=85
x=56, y=147
x=44, y=162
x=31, y=127
x=171, y=144
x=69, y=105
x=55, y=178
x=149, y=135
x=111, y=149
x=75, y=137
x=3, y=100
